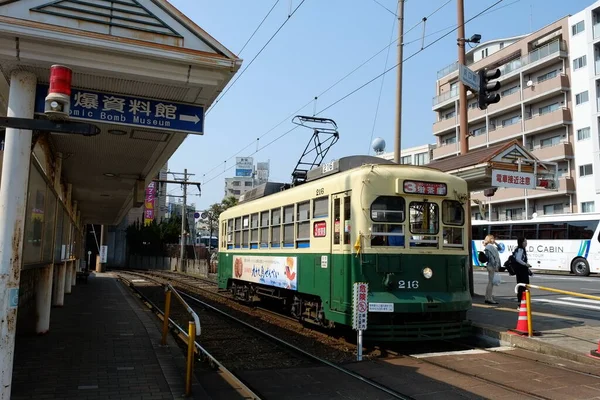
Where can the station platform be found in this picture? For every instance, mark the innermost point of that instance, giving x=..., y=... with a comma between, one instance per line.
x=561, y=332
x=103, y=344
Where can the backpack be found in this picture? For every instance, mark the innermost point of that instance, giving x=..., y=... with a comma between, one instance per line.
x=482, y=257
x=510, y=264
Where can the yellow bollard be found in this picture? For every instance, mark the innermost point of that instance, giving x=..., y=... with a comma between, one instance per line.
x=190, y=358
x=166, y=320
x=529, y=321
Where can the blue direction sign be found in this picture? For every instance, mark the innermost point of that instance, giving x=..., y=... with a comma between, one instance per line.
x=88, y=105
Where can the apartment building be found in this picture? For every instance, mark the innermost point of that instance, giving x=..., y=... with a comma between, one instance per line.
x=419, y=155
x=547, y=93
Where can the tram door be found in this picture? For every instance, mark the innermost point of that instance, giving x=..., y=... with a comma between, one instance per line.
x=341, y=251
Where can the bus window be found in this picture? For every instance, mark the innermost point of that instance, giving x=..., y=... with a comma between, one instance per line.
x=480, y=231
x=501, y=232
x=528, y=231
x=387, y=213
x=582, y=229
x=424, y=223
x=548, y=230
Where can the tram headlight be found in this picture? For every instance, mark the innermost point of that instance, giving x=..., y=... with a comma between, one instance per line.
x=427, y=273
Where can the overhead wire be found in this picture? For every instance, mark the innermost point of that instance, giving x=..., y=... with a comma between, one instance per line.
x=238, y=76
x=385, y=8
x=328, y=89
x=258, y=27
x=367, y=83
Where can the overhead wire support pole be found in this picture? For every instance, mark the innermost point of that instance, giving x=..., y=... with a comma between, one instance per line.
x=398, y=141
x=462, y=89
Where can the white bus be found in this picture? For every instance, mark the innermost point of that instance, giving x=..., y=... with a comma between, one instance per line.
x=565, y=242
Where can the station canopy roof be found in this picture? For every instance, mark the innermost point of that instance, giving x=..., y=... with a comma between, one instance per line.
x=142, y=71
x=476, y=166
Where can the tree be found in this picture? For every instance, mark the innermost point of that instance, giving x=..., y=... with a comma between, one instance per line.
x=228, y=202
x=212, y=214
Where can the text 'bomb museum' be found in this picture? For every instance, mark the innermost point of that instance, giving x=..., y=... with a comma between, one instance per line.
x=550, y=103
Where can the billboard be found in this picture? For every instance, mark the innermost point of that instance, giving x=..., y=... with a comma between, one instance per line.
x=149, y=203
x=244, y=166
x=280, y=272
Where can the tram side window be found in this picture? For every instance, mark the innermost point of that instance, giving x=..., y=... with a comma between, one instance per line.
x=321, y=207
x=254, y=231
x=276, y=227
x=238, y=233
x=347, y=219
x=245, y=231
x=552, y=231
x=230, y=233
x=303, y=225
x=288, y=227
x=500, y=232
x=424, y=223
x=453, y=214
x=336, y=221
x=264, y=229
x=387, y=214
x=528, y=231
x=582, y=229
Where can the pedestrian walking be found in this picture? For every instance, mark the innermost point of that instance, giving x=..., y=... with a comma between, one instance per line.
x=521, y=266
x=493, y=266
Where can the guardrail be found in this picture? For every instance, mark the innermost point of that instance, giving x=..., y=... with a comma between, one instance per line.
x=559, y=291
x=193, y=331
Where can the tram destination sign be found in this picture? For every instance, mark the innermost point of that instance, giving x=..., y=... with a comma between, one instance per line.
x=89, y=105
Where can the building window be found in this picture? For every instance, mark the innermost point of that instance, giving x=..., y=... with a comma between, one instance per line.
x=581, y=98
x=553, y=141
x=578, y=28
x=547, y=75
x=501, y=45
x=587, y=207
x=583, y=134
x=548, y=109
x=407, y=160
x=510, y=91
x=550, y=209
x=448, y=140
x=235, y=183
x=585, y=170
x=450, y=114
x=477, y=132
x=511, y=121
x=579, y=62
x=247, y=184
x=421, y=159
x=513, y=214
x=484, y=53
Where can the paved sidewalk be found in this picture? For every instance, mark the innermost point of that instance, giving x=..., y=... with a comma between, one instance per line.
x=560, y=335
x=103, y=344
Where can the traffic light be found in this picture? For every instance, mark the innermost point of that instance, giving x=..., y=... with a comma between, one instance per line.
x=486, y=87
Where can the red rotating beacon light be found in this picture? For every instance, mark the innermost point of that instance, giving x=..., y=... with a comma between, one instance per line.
x=58, y=100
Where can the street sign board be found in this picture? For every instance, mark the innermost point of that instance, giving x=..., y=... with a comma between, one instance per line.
x=360, y=306
x=103, y=254
x=89, y=105
x=513, y=179
x=468, y=77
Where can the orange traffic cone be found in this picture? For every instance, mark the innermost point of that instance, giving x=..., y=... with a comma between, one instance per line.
x=523, y=321
x=596, y=353
x=522, y=328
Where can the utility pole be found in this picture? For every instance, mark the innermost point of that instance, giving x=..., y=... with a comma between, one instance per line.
x=184, y=182
x=398, y=141
x=462, y=89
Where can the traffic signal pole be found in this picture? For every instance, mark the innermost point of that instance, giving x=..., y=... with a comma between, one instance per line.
x=462, y=89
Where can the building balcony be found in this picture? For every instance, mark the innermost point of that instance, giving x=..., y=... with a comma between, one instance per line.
x=560, y=151
x=558, y=83
x=475, y=114
x=444, y=98
x=538, y=122
x=444, y=125
x=565, y=185
x=447, y=70
x=504, y=132
x=477, y=141
x=445, y=151
x=513, y=99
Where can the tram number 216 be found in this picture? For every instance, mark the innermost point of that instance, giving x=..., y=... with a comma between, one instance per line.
x=408, y=284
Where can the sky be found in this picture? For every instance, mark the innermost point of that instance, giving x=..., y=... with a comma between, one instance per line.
x=321, y=43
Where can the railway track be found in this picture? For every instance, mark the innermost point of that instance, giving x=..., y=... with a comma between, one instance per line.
x=242, y=348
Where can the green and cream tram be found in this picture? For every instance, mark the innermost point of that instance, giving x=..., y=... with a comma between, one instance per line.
x=400, y=228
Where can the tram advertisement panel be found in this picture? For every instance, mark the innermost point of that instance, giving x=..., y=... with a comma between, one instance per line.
x=273, y=271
